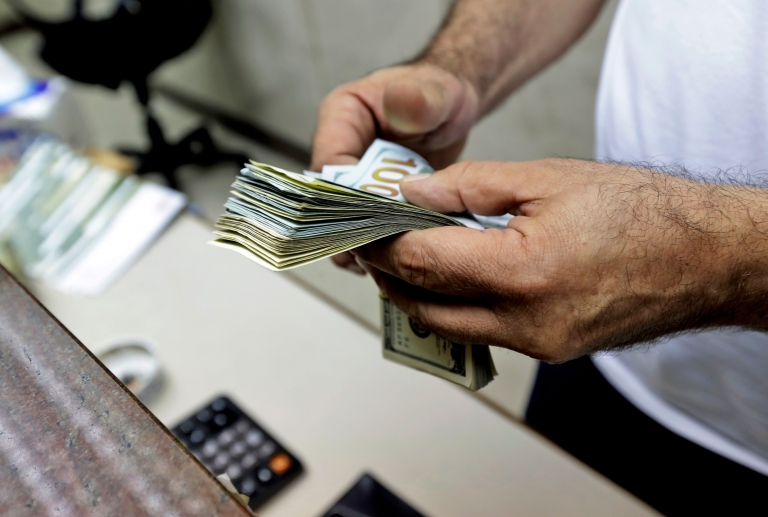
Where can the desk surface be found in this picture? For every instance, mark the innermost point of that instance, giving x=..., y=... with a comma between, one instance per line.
x=315, y=378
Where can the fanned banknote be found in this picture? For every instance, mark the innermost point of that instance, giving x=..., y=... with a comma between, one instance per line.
x=281, y=220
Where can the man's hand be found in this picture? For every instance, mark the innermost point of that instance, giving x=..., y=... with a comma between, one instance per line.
x=485, y=49
x=598, y=256
x=420, y=106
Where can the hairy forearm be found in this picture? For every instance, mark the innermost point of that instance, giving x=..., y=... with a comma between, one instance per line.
x=740, y=254
x=499, y=44
x=695, y=253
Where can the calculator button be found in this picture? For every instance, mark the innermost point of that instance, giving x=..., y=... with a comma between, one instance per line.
x=196, y=437
x=242, y=426
x=226, y=438
x=249, y=460
x=220, y=420
x=221, y=461
x=254, y=438
x=266, y=450
x=248, y=486
x=219, y=405
x=234, y=471
x=210, y=448
x=238, y=449
x=186, y=427
x=264, y=475
x=280, y=463
x=204, y=416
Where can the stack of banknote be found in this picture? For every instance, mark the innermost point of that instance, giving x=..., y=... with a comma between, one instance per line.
x=281, y=220
x=77, y=222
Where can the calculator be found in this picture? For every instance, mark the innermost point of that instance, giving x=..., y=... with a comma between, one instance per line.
x=226, y=440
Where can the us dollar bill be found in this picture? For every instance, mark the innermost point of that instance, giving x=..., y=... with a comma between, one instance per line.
x=380, y=170
x=406, y=342
x=283, y=220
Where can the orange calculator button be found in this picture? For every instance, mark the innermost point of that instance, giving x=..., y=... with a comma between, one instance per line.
x=280, y=463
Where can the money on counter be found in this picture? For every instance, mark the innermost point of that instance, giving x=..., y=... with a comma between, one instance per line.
x=281, y=220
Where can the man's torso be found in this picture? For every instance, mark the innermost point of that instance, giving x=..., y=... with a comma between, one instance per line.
x=685, y=83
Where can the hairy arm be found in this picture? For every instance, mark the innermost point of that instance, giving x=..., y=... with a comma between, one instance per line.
x=499, y=44
x=485, y=49
x=599, y=256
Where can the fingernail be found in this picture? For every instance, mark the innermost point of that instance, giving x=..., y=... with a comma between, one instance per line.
x=365, y=269
x=415, y=177
x=355, y=268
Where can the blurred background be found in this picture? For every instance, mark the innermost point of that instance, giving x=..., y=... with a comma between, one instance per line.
x=269, y=64
x=120, y=259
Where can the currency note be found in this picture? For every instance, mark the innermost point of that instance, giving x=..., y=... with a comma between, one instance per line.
x=380, y=170
x=406, y=342
x=282, y=220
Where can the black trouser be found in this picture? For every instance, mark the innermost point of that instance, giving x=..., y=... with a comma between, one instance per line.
x=574, y=406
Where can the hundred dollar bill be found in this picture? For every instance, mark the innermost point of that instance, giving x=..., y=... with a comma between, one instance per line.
x=282, y=220
x=382, y=168
x=404, y=341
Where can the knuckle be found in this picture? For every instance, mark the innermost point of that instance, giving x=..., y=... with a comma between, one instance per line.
x=413, y=263
x=465, y=166
x=336, y=97
x=329, y=100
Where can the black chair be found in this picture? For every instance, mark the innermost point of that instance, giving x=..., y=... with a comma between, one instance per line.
x=127, y=47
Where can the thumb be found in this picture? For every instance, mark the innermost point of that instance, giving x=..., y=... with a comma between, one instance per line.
x=414, y=106
x=482, y=187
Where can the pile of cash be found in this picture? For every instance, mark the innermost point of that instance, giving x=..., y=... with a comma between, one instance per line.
x=76, y=222
x=281, y=220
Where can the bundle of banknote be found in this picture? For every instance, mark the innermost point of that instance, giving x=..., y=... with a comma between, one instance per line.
x=281, y=220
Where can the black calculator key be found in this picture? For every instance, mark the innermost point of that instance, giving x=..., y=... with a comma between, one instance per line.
x=249, y=461
x=204, y=416
x=210, y=448
x=197, y=437
x=265, y=475
x=266, y=450
x=219, y=405
x=221, y=461
x=187, y=426
x=248, y=486
x=234, y=471
x=238, y=449
x=254, y=438
x=242, y=426
x=226, y=437
x=220, y=420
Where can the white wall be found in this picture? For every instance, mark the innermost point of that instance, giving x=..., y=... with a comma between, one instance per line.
x=289, y=54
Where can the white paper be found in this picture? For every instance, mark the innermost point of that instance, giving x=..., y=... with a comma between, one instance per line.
x=133, y=229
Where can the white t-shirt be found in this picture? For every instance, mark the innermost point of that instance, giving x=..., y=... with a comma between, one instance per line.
x=685, y=82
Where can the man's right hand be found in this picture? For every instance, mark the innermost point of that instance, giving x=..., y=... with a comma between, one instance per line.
x=422, y=107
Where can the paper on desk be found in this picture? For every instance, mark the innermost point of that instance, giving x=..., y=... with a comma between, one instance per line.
x=121, y=240
x=224, y=480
